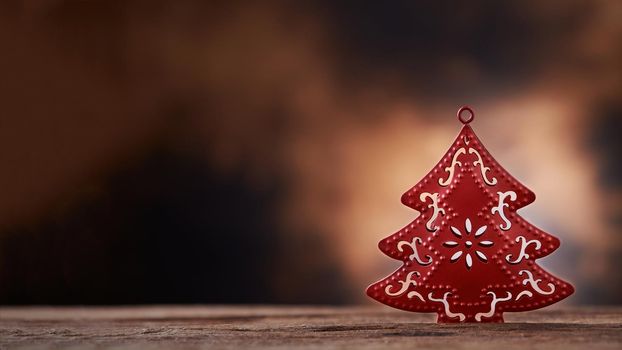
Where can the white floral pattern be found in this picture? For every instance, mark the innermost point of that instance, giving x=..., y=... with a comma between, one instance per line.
x=468, y=244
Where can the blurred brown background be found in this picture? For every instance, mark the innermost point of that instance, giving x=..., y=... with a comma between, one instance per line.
x=235, y=152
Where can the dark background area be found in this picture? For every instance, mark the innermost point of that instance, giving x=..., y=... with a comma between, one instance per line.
x=255, y=152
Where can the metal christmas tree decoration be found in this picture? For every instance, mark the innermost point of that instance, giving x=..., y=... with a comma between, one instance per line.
x=469, y=257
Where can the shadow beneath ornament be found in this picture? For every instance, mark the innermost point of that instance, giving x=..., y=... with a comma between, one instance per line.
x=528, y=329
x=411, y=333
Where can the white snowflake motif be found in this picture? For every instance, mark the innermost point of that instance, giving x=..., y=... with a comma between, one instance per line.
x=468, y=244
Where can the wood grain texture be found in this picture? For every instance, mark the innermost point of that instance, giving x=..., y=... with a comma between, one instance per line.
x=287, y=327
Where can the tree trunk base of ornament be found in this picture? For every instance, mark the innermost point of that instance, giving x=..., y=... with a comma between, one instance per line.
x=442, y=318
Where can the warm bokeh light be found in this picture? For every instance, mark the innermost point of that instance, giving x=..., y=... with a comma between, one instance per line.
x=286, y=134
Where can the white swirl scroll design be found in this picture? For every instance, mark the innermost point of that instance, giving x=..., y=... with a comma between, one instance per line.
x=524, y=244
x=452, y=168
x=482, y=168
x=525, y=292
x=405, y=285
x=434, y=206
x=446, y=304
x=415, y=255
x=493, y=304
x=500, y=208
x=534, y=283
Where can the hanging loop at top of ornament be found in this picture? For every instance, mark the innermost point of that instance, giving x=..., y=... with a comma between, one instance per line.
x=465, y=115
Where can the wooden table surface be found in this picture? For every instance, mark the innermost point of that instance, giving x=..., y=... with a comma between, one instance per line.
x=287, y=327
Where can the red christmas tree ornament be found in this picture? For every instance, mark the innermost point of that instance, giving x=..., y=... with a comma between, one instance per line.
x=469, y=256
